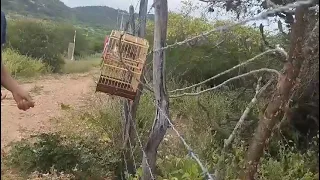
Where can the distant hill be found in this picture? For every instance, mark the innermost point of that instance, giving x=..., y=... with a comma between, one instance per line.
x=101, y=16
x=97, y=15
x=53, y=9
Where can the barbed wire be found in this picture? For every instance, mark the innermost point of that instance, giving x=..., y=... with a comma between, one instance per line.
x=190, y=150
x=226, y=27
x=278, y=49
x=125, y=164
x=132, y=154
x=152, y=6
x=123, y=154
x=141, y=146
x=188, y=147
x=229, y=80
x=148, y=12
x=205, y=34
x=137, y=4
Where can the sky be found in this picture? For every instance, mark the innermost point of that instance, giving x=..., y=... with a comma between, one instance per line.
x=121, y=4
x=173, y=5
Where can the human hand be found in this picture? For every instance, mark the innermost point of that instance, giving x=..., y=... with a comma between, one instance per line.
x=23, y=99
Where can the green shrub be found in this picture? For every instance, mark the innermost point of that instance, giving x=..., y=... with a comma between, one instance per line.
x=83, y=158
x=44, y=40
x=80, y=66
x=206, y=57
x=179, y=168
x=23, y=66
x=96, y=43
x=92, y=150
x=225, y=108
x=174, y=168
x=290, y=162
x=94, y=146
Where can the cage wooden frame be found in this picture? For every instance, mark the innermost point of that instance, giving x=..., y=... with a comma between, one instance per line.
x=115, y=78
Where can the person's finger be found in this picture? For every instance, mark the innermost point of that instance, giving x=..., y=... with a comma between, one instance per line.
x=20, y=105
x=30, y=104
x=27, y=105
x=24, y=105
x=29, y=101
x=29, y=98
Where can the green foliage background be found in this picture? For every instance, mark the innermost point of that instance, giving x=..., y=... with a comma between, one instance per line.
x=94, y=150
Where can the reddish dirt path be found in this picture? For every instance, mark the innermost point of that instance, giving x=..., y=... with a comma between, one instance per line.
x=49, y=93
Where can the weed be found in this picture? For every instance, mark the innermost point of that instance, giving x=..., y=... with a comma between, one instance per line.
x=23, y=66
x=80, y=66
x=65, y=106
x=92, y=149
x=82, y=158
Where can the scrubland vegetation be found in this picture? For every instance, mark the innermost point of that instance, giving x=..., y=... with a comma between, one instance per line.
x=88, y=144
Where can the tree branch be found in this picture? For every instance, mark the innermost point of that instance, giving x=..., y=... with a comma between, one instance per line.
x=276, y=105
x=227, y=142
x=278, y=49
x=229, y=80
x=253, y=102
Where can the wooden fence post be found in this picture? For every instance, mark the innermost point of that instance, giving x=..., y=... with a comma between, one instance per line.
x=130, y=108
x=162, y=103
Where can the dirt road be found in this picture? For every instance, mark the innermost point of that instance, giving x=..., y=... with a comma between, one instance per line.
x=51, y=94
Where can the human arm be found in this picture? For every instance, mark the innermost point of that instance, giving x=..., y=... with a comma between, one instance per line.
x=7, y=81
x=22, y=98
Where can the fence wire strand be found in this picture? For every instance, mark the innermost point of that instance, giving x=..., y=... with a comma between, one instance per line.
x=205, y=34
x=263, y=15
x=132, y=154
x=190, y=150
x=229, y=70
x=141, y=146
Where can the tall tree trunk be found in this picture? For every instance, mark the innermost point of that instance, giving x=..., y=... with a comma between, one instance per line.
x=280, y=98
x=162, y=102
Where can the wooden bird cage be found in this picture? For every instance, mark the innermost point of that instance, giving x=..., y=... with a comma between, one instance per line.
x=120, y=75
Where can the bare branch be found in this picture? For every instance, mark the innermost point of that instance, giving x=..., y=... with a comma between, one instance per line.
x=278, y=49
x=229, y=80
x=227, y=142
x=282, y=51
x=253, y=102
